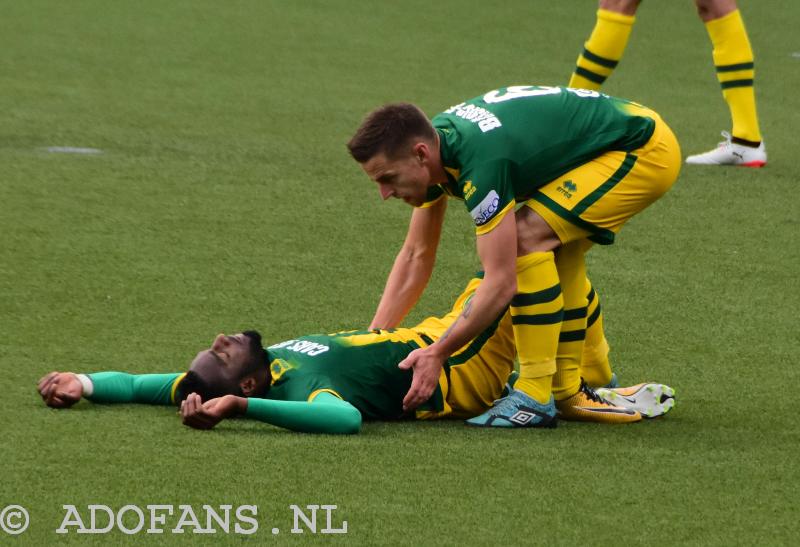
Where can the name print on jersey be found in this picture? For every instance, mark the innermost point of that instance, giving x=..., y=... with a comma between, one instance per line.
x=486, y=120
x=302, y=346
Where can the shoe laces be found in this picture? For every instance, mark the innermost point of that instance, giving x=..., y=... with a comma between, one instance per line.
x=728, y=139
x=504, y=403
x=589, y=392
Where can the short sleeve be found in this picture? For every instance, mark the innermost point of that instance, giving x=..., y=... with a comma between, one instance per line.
x=488, y=194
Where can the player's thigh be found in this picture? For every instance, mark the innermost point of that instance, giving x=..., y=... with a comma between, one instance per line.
x=596, y=199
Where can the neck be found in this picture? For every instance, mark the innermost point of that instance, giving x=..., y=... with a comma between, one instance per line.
x=438, y=174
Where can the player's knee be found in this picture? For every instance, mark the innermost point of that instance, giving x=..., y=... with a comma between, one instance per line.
x=627, y=7
x=709, y=10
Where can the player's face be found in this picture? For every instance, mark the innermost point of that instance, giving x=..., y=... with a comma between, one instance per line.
x=233, y=351
x=406, y=177
x=224, y=362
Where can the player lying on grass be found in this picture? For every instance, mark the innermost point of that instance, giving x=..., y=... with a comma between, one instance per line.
x=328, y=383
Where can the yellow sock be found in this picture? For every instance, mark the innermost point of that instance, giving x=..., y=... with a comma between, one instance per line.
x=603, y=51
x=536, y=313
x=595, y=367
x=539, y=388
x=572, y=275
x=733, y=59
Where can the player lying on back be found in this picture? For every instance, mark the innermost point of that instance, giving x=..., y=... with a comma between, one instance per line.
x=329, y=383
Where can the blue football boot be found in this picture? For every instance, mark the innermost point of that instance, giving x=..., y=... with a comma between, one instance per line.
x=517, y=410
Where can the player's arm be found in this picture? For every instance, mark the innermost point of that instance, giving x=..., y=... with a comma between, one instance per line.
x=64, y=389
x=325, y=413
x=497, y=250
x=413, y=266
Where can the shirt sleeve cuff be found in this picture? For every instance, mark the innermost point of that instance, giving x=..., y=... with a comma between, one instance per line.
x=86, y=382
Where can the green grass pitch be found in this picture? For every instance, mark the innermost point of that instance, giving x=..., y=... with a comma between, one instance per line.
x=224, y=199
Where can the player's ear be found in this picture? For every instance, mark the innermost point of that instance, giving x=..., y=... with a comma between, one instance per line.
x=421, y=151
x=248, y=386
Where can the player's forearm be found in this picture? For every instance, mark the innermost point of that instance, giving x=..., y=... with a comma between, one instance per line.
x=335, y=417
x=120, y=387
x=490, y=301
x=413, y=266
x=407, y=281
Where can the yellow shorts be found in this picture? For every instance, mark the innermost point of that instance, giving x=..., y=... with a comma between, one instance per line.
x=594, y=200
x=475, y=375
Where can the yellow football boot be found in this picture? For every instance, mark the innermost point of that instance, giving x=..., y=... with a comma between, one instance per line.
x=587, y=406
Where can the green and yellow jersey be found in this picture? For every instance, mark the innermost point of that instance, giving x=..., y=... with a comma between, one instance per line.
x=360, y=367
x=497, y=149
x=357, y=366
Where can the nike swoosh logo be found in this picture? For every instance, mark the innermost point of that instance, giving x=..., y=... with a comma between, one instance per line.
x=606, y=410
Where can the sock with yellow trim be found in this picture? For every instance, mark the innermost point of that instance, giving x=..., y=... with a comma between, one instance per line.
x=602, y=52
x=569, y=259
x=536, y=312
x=595, y=367
x=733, y=59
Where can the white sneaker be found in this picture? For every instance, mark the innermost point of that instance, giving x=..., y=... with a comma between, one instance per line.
x=730, y=153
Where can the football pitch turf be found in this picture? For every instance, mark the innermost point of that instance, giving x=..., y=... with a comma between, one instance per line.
x=224, y=198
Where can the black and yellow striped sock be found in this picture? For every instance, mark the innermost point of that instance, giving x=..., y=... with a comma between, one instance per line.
x=595, y=367
x=603, y=50
x=733, y=59
x=569, y=259
x=536, y=313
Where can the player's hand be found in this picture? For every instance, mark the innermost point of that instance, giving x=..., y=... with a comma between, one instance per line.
x=60, y=389
x=427, y=365
x=199, y=415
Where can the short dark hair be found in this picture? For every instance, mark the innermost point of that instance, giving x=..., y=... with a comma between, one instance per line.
x=258, y=355
x=390, y=130
x=194, y=382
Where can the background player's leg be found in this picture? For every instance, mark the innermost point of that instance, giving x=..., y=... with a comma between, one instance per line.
x=734, y=62
x=606, y=44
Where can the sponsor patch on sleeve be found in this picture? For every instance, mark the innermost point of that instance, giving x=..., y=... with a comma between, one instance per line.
x=485, y=210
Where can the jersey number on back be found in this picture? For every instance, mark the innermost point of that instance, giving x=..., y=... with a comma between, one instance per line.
x=520, y=91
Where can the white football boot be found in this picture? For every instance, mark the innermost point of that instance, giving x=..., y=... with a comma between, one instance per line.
x=650, y=400
x=730, y=153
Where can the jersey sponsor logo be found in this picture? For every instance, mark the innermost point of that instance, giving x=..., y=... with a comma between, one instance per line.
x=306, y=347
x=486, y=120
x=469, y=189
x=567, y=188
x=484, y=211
